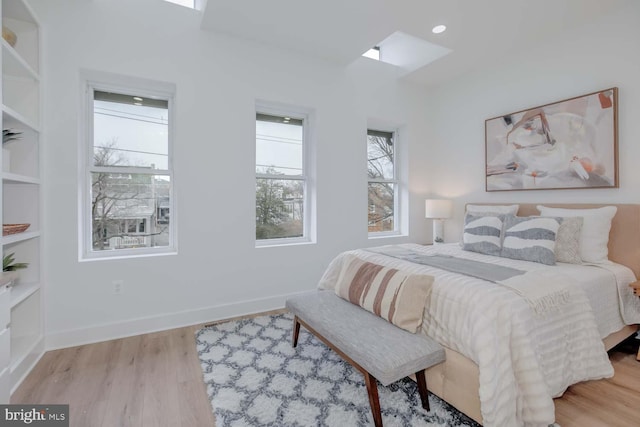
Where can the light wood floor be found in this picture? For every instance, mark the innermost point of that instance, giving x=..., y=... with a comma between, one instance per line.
x=155, y=380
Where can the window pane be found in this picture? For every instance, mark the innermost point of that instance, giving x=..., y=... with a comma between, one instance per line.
x=278, y=145
x=381, y=207
x=129, y=210
x=130, y=131
x=380, y=154
x=279, y=208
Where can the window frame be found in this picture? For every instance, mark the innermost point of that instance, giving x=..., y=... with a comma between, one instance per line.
x=308, y=227
x=96, y=81
x=397, y=227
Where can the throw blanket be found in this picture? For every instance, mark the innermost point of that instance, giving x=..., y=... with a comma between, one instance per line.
x=541, y=293
x=524, y=360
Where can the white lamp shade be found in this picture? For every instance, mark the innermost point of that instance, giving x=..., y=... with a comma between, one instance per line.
x=438, y=208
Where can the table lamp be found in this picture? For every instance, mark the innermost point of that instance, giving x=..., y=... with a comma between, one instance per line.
x=438, y=210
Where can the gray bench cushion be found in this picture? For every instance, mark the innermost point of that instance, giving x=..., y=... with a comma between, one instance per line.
x=384, y=350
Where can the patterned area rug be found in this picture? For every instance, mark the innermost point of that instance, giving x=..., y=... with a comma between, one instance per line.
x=255, y=378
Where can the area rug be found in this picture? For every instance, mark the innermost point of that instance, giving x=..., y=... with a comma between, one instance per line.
x=255, y=378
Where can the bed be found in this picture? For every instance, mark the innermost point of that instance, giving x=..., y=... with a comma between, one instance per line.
x=521, y=395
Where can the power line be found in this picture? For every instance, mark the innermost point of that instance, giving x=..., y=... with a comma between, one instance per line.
x=130, y=118
x=130, y=151
x=131, y=114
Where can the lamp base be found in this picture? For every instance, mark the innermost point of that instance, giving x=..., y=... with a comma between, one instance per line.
x=438, y=231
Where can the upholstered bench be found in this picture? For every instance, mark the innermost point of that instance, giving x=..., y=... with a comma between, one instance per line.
x=372, y=345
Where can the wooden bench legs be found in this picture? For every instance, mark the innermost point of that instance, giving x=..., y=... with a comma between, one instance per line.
x=422, y=389
x=370, y=381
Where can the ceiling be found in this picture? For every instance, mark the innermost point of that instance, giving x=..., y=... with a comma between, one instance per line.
x=478, y=31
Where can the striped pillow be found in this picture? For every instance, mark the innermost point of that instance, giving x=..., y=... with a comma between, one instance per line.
x=396, y=296
x=483, y=234
x=530, y=238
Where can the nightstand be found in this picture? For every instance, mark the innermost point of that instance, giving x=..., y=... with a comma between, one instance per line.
x=636, y=292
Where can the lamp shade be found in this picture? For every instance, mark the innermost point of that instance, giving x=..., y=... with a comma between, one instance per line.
x=438, y=208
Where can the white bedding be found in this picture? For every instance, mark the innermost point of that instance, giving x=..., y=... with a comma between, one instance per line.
x=524, y=360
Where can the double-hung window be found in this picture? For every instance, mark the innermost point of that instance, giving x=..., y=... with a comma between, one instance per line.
x=382, y=183
x=282, y=193
x=128, y=195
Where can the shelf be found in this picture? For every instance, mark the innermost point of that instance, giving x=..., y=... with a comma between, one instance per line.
x=22, y=291
x=18, y=9
x=14, y=115
x=14, y=178
x=21, y=348
x=19, y=237
x=14, y=65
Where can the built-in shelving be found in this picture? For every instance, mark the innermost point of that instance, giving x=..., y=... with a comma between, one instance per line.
x=20, y=194
x=22, y=291
x=19, y=237
x=14, y=178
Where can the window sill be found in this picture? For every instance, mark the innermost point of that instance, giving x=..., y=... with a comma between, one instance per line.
x=283, y=242
x=126, y=254
x=386, y=234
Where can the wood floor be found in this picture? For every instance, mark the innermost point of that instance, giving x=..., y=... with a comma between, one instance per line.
x=155, y=380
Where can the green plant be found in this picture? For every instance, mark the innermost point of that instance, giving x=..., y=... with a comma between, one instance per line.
x=8, y=263
x=9, y=135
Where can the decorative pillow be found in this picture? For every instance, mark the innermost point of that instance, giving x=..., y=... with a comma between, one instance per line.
x=531, y=238
x=483, y=234
x=594, y=235
x=494, y=209
x=568, y=240
x=396, y=296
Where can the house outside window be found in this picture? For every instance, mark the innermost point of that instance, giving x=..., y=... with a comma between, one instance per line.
x=128, y=200
x=382, y=183
x=282, y=185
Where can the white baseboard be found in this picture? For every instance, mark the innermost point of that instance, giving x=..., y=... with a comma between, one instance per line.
x=145, y=325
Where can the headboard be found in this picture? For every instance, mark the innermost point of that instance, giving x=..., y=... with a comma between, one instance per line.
x=624, y=238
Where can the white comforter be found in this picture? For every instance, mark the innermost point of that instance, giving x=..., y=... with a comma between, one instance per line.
x=524, y=359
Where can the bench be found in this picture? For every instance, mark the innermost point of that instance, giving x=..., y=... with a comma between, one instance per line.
x=375, y=347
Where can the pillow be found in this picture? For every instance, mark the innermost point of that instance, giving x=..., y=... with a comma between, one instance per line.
x=531, y=238
x=594, y=235
x=568, y=240
x=396, y=296
x=483, y=234
x=496, y=209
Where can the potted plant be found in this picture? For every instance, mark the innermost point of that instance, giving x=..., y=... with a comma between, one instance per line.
x=9, y=265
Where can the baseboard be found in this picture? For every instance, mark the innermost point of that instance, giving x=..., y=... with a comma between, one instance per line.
x=105, y=332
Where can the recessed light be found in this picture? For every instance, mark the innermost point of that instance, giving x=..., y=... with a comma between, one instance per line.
x=287, y=118
x=439, y=29
x=137, y=98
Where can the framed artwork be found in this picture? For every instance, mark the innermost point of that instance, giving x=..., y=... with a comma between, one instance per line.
x=567, y=144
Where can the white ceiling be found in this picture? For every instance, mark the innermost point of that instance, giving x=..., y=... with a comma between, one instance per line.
x=341, y=30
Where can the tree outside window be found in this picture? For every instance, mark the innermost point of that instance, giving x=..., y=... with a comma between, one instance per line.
x=382, y=185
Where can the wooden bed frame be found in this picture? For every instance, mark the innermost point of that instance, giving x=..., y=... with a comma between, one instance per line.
x=457, y=379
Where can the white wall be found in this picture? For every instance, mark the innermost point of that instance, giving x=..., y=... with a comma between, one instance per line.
x=218, y=272
x=603, y=54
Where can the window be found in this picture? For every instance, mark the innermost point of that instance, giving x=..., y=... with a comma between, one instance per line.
x=128, y=201
x=187, y=3
x=282, y=196
x=383, y=183
x=373, y=53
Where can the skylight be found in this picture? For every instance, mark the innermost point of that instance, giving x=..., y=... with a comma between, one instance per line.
x=408, y=52
x=373, y=53
x=186, y=3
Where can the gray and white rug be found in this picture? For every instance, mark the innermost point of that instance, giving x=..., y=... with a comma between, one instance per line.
x=255, y=378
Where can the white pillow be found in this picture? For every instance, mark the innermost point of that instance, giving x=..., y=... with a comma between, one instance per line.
x=497, y=209
x=594, y=235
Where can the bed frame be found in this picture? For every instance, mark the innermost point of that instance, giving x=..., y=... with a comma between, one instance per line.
x=457, y=379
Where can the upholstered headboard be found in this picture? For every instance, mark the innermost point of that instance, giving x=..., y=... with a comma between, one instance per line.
x=624, y=238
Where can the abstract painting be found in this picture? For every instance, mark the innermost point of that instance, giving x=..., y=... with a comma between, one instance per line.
x=567, y=144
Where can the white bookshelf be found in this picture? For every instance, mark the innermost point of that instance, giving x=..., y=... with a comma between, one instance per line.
x=21, y=187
